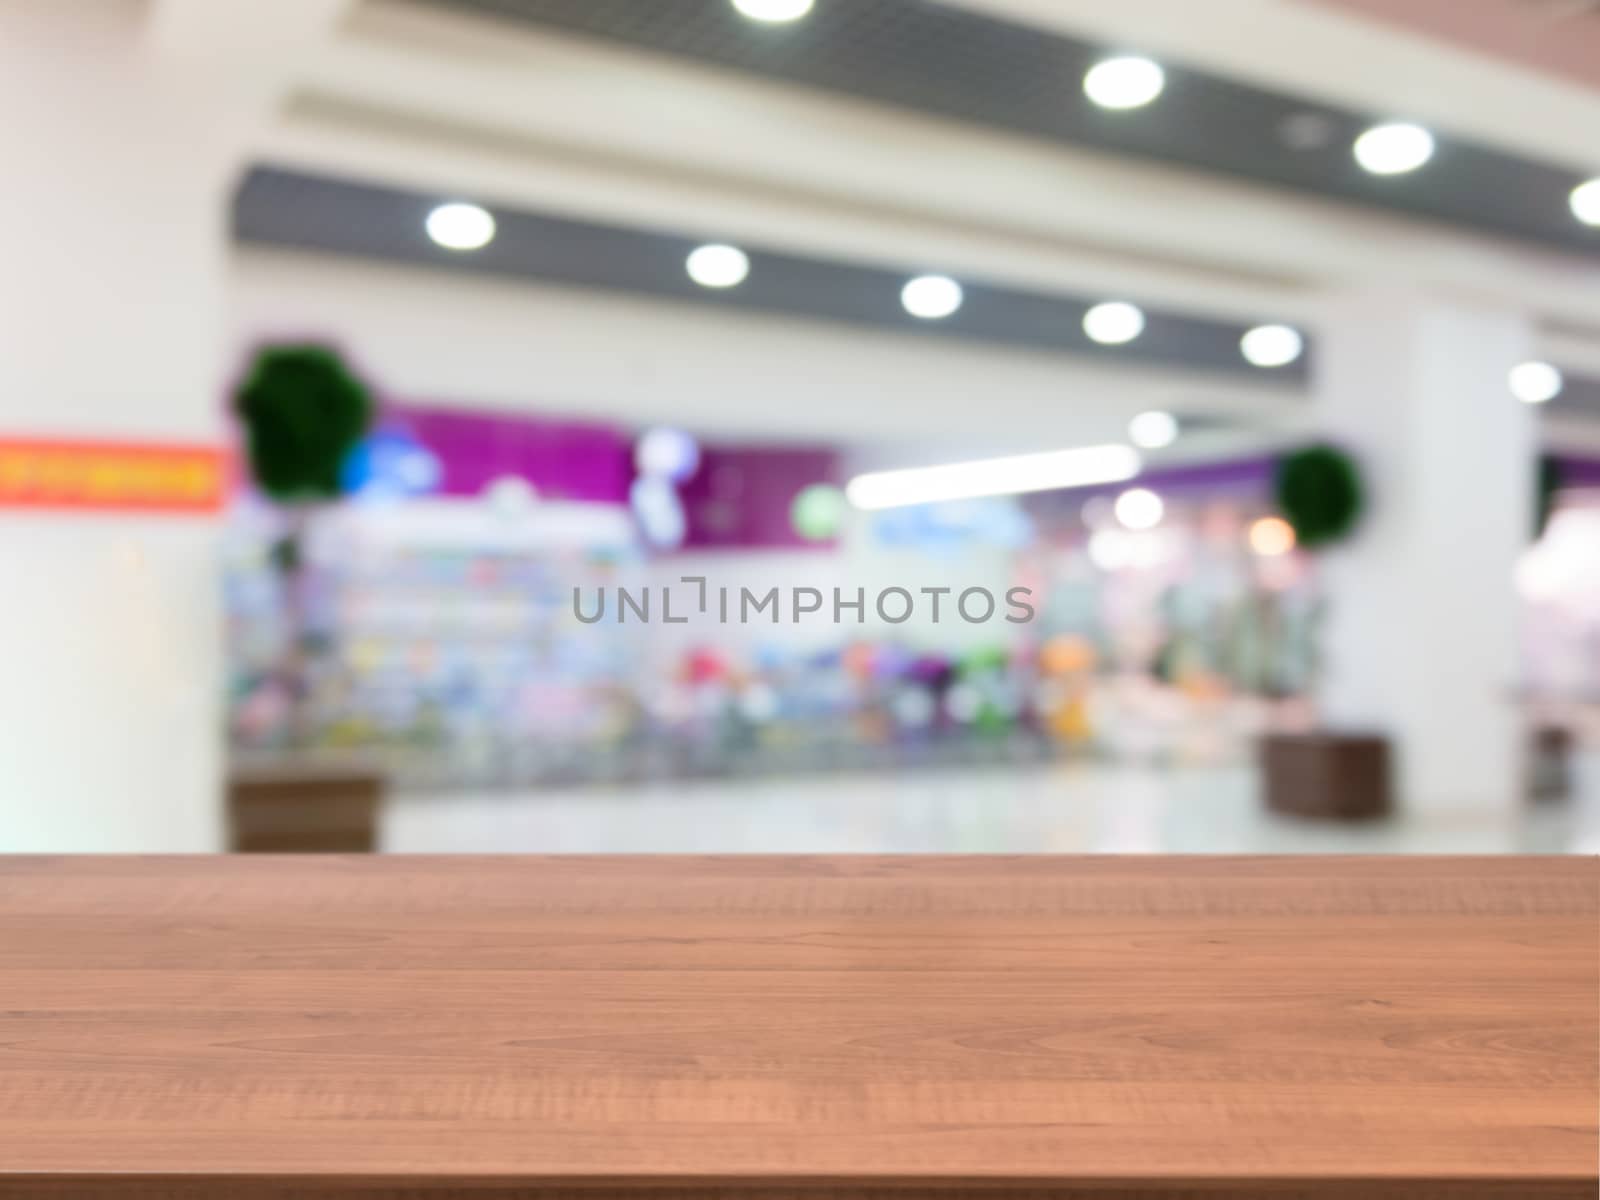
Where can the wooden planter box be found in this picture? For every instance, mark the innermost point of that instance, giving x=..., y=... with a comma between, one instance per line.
x=1331, y=776
x=1550, y=762
x=304, y=810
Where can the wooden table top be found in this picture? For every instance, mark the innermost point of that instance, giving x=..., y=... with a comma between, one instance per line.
x=1056, y=1026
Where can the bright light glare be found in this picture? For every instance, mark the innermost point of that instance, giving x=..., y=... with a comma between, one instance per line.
x=1585, y=201
x=1140, y=508
x=1535, y=382
x=1393, y=149
x=666, y=453
x=1109, y=549
x=1271, y=346
x=931, y=296
x=1008, y=476
x=1113, y=323
x=1153, y=430
x=1562, y=569
x=1127, y=82
x=718, y=266
x=773, y=11
x=1271, y=536
x=1118, y=549
x=460, y=226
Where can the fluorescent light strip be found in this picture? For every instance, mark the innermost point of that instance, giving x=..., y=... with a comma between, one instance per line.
x=1008, y=476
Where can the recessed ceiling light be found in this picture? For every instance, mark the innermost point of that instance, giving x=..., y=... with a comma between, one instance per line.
x=1009, y=476
x=1271, y=346
x=1585, y=202
x=773, y=11
x=1535, y=382
x=931, y=296
x=718, y=266
x=1113, y=323
x=1140, y=508
x=1153, y=430
x=1125, y=82
x=1393, y=148
x=460, y=226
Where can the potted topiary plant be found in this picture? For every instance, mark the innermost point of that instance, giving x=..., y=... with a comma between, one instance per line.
x=1324, y=773
x=1319, y=491
x=302, y=411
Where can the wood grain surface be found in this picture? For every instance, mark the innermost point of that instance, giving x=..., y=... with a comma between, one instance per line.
x=796, y=1027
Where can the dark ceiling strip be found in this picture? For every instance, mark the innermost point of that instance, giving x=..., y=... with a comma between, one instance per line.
x=285, y=208
x=953, y=63
x=1580, y=397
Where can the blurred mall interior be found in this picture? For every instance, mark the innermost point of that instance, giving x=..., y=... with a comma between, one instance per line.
x=814, y=425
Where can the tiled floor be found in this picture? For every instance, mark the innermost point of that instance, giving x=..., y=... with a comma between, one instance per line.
x=1055, y=809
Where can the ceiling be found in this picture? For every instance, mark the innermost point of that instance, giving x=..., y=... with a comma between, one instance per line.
x=304, y=211
x=1554, y=37
x=291, y=209
x=880, y=138
x=976, y=68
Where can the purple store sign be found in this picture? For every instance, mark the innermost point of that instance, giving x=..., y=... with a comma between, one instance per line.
x=563, y=460
x=741, y=497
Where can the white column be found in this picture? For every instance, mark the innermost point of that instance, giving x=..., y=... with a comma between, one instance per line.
x=124, y=124
x=1421, y=636
x=112, y=241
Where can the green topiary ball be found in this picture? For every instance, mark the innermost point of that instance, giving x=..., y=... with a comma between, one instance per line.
x=303, y=412
x=1548, y=485
x=1319, y=493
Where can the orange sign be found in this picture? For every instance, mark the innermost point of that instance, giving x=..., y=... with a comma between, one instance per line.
x=110, y=475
